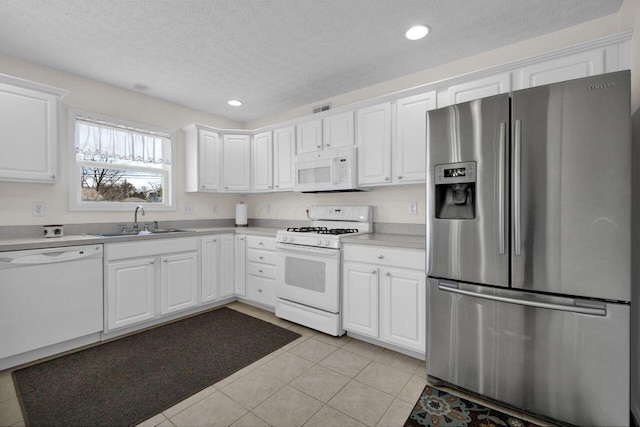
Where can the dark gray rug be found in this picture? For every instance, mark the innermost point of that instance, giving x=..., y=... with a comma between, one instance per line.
x=129, y=380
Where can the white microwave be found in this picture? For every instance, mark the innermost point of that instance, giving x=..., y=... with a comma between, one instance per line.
x=332, y=169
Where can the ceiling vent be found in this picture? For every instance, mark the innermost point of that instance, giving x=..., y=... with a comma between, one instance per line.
x=322, y=108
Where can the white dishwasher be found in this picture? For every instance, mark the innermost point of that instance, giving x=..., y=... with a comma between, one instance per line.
x=47, y=297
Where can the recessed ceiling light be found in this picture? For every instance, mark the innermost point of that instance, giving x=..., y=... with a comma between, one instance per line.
x=417, y=32
x=141, y=87
x=234, y=103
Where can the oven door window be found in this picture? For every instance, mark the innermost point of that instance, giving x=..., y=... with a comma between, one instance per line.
x=305, y=273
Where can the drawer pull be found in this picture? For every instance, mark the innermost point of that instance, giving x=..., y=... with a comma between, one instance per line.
x=259, y=290
x=380, y=256
x=374, y=271
x=261, y=243
x=259, y=271
x=387, y=274
x=260, y=257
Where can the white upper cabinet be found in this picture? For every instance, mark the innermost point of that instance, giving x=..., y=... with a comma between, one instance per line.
x=284, y=152
x=373, y=140
x=309, y=136
x=582, y=64
x=337, y=130
x=203, y=159
x=475, y=89
x=262, y=161
x=411, y=137
x=236, y=152
x=331, y=131
x=29, y=129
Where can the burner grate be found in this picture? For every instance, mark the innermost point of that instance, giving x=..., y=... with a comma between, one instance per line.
x=307, y=229
x=338, y=231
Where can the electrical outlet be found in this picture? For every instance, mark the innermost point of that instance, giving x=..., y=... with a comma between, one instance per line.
x=188, y=208
x=268, y=209
x=413, y=208
x=38, y=209
x=215, y=209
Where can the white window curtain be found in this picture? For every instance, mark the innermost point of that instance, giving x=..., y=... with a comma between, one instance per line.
x=109, y=143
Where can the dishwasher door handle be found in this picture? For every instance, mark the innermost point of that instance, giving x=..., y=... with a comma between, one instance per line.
x=51, y=257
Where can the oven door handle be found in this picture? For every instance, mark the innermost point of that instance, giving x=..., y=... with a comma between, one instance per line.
x=301, y=249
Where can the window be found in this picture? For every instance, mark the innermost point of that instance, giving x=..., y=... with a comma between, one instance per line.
x=118, y=165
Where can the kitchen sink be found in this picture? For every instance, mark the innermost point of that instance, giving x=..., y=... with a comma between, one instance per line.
x=137, y=233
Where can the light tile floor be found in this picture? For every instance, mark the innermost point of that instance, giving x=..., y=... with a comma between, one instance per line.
x=317, y=380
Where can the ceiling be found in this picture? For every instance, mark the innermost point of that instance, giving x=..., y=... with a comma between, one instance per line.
x=273, y=55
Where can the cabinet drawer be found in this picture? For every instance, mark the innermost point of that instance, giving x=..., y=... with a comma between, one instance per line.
x=264, y=257
x=261, y=290
x=261, y=270
x=261, y=242
x=379, y=255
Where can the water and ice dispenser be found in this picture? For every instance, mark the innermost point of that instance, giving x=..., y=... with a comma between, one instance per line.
x=455, y=191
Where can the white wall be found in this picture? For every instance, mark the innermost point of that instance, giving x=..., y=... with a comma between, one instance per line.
x=391, y=202
x=85, y=94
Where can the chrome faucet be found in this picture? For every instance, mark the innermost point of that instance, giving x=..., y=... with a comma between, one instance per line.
x=135, y=218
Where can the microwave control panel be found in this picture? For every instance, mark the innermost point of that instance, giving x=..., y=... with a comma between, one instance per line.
x=342, y=170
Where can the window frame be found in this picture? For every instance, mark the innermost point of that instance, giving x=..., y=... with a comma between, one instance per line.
x=74, y=168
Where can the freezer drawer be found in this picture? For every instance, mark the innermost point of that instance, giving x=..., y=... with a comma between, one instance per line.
x=559, y=357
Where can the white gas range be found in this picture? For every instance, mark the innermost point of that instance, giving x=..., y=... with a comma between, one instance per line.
x=309, y=266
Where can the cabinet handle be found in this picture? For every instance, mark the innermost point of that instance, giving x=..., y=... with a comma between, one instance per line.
x=327, y=145
x=259, y=290
x=165, y=260
x=380, y=256
x=399, y=176
x=53, y=176
x=260, y=257
x=277, y=186
x=260, y=243
x=152, y=262
x=318, y=146
x=387, y=274
x=386, y=178
x=269, y=186
x=374, y=271
x=226, y=187
x=259, y=271
x=241, y=238
x=202, y=186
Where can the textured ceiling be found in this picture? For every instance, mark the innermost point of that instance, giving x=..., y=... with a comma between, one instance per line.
x=273, y=55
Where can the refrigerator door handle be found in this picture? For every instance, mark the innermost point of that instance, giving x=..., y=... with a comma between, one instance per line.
x=501, y=187
x=517, y=207
x=592, y=311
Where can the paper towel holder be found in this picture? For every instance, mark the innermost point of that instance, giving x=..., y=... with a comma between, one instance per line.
x=241, y=215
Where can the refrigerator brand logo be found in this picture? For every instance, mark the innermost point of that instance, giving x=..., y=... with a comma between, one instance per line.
x=602, y=86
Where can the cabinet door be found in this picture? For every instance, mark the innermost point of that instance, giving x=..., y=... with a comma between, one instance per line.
x=236, y=152
x=373, y=139
x=284, y=151
x=262, y=160
x=575, y=66
x=475, y=89
x=210, y=268
x=29, y=125
x=403, y=308
x=309, y=136
x=337, y=130
x=227, y=252
x=209, y=161
x=240, y=266
x=411, y=137
x=130, y=292
x=360, y=299
x=179, y=282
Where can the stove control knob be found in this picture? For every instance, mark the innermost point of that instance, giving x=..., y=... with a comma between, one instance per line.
x=319, y=242
x=327, y=242
x=290, y=238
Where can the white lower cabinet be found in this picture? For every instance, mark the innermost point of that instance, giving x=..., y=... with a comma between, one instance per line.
x=146, y=280
x=384, y=295
x=240, y=266
x=261, y=270
x=130, y=292
x=217, y=267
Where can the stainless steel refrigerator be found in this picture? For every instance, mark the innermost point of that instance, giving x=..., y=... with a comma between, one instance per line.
x=528, y=248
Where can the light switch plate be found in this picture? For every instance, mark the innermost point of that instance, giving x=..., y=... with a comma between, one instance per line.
x=188, y=208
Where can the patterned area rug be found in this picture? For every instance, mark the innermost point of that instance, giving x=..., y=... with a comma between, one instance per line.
x=438, y=408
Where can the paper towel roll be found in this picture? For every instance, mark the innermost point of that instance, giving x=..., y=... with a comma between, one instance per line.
x=241, y=215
